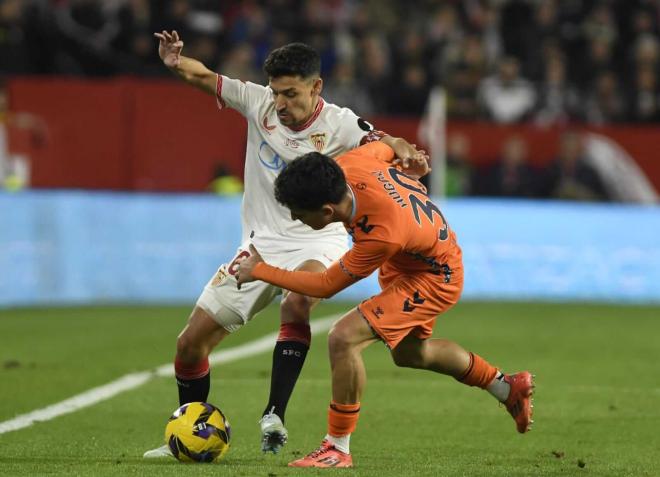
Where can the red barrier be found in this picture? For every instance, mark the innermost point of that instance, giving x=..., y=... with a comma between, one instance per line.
x=179, y=136
x=86, y=141
x=160, y=135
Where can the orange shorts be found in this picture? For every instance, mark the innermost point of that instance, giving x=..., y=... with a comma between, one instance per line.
x=410, y=304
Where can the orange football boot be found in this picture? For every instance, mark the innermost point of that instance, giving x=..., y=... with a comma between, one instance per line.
x=325, y=456
x=519, y=402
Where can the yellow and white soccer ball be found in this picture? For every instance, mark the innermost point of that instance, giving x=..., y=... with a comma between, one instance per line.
x=198, y=432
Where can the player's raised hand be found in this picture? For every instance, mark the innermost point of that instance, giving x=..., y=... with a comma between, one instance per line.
x=404, y=152
x=169, y=48
x=414, y=162
x=418, y=165
x=245, y=267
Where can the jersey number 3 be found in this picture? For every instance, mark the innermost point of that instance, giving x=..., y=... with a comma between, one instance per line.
x=419, y=205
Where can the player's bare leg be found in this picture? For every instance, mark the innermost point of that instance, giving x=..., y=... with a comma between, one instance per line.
x=349, y=336
x=191, y=365
x=193, y=346
x=288, y=359
x=446, y=357
x=352, y=334
x=439, y=355
x=346, y=340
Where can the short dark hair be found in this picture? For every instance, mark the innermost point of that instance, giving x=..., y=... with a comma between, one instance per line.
x=309, y=182
x=294, y=59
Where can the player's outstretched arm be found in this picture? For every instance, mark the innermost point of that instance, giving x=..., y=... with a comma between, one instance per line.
x=321, y=285
x=189, y=70
x=363, y=259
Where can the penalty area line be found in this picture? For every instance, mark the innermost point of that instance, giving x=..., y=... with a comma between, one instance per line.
x=134, y=380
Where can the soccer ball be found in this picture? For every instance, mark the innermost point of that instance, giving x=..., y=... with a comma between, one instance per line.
x=198, y=432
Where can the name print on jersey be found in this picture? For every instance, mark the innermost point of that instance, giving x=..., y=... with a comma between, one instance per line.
x=391, y=190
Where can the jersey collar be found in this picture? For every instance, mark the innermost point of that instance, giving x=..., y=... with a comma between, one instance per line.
x=308, y=123
x=354, y=206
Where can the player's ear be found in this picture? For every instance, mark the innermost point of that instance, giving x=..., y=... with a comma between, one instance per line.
x=317, y=86
x=328, y=211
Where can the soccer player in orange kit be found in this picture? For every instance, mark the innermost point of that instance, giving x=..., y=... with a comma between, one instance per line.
x=398, y=230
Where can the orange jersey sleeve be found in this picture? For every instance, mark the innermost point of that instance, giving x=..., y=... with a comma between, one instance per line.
x=320, y=285
x=366, y=256
x=376, y=149
x=356, y=264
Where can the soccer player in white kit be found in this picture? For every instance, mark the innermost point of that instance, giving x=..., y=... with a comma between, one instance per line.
x=286, y=119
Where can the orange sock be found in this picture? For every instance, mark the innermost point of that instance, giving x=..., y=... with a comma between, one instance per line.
x=342, y=418
x=479, y=373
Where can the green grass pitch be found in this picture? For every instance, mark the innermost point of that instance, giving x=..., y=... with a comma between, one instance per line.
x=597, y=399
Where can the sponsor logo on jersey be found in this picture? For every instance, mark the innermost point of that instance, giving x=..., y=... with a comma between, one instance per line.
x=318, y=140
x=291, y=143
x=265, y=125
x=269, y=158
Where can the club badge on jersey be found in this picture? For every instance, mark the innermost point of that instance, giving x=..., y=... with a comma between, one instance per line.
x=219, y=277
x=318, y=140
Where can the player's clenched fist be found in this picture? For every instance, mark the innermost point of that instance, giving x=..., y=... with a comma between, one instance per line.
x=169, y=48
x=246, y=265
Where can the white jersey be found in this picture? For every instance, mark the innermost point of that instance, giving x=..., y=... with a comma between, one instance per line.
x=270, y=146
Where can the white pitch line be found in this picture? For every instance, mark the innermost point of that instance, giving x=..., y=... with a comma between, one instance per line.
x=134, y=380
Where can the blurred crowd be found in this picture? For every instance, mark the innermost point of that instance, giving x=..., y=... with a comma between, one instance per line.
x=571, y=175
x=586, y=166
x=508, y=61
x=545, y=62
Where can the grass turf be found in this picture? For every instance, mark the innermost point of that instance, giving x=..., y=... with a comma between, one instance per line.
x=596, y=400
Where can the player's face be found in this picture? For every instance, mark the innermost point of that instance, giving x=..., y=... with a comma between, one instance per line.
x=295, y=98
x=316, y=219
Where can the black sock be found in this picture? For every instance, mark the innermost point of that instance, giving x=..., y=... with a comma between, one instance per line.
x=193, y=390
x=288, y=360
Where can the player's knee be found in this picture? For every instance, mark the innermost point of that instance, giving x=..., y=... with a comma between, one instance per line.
x=338, y=339
x=188, y=350
x=295, y=308
x=407, y=359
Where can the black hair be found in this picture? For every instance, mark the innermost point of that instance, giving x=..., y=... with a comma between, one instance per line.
x=294, y=59
x=309, y=182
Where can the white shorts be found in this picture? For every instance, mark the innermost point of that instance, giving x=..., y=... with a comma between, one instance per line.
x=231, y=307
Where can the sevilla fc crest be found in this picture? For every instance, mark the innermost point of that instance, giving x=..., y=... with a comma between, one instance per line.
x=318, y=140
x=219, y=277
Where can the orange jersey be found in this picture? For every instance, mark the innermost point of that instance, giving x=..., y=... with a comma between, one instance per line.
x=395, y=227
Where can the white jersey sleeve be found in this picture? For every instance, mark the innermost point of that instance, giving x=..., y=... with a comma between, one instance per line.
x=354, y=131
x=243, y=96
